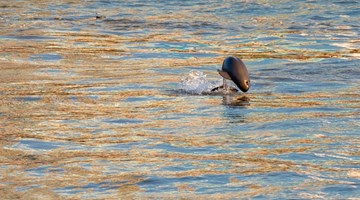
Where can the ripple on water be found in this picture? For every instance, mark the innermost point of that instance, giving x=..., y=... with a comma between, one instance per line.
x=26, y=37
x=90, y=106
x=167, y=55
x=124, y=121
x=188, y=149
x=29, y=98
x=46, y=57
x=38, y=145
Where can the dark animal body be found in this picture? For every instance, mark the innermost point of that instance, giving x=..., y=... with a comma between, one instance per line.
x=234, y=69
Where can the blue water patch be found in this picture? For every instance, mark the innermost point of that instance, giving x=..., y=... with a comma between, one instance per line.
x=91, y=81
x=52, y=71
x=135, y=99
x=38, y=145
x=206, y=184
x=320, y=45
x=50, y=57
x=300, y=157
x=26, y=188
x=94, y=97
x=105, y=89
x=120, y=88
x=268, y=38
x=70, y=121
x=102, y=186
x=164, y=55
x=44, y=170
x=189, y=149
x=265, y=64
x=342, y=190
x=74, y=98
x=99, y=131
x=26, y=37
x=124, y=121
x=213, y=184
x=168, y=70
x=124, y=146
x=295, y=86
x=244, y=146
x=181, y=166
x=282, y=178
x=29, y=98
x=290, y=124
x=69, y=190
x=39, y=171
x=178, y=45
x=162, y=184
x=136, y=86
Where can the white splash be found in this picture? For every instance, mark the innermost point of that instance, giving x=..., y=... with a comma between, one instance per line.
x=197, y=83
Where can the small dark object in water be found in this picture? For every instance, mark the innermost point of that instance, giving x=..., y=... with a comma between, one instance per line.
x=236, y=100
x=231, y=89
x=234, y=69
x=100, y=17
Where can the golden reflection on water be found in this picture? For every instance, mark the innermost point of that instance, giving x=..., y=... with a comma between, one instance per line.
x=43, y=120
x=79, y=105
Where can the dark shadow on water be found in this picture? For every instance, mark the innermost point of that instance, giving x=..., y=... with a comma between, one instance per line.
x=235, y=117
x=232, y=97
x=235, y=107
x=236, y=100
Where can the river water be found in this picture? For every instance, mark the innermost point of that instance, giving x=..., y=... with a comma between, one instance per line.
x=93, y=103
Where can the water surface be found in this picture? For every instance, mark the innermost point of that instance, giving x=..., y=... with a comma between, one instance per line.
x=91, y=106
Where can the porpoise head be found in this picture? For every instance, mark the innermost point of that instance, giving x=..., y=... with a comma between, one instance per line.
x=234, y=69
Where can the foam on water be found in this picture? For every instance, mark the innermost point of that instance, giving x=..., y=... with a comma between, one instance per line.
x=196, y=82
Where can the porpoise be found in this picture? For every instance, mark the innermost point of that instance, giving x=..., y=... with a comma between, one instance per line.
x=234, y=69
